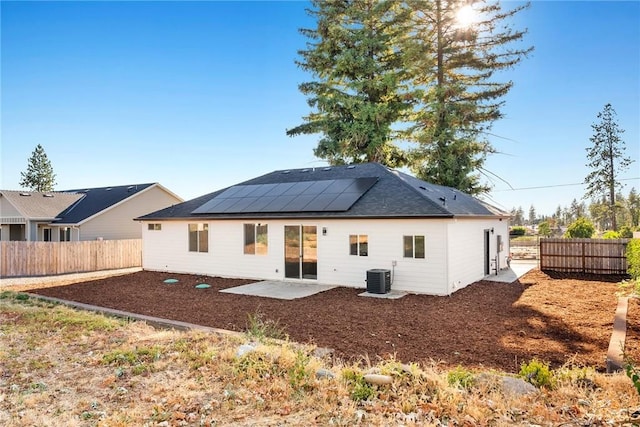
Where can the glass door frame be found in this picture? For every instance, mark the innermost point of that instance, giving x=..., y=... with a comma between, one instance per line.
x=305, y=239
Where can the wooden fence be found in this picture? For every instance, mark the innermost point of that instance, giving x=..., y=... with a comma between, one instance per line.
x=50, y=258
x=597, y=256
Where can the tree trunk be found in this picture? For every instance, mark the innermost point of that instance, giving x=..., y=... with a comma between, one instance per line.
x=612, y=189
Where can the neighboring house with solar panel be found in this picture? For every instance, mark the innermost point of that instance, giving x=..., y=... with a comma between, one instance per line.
x=84, y=214
x=332, y=225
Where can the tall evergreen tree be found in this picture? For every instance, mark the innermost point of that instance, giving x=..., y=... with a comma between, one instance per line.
x=577, y=209
x=359, y=91
x=633, y=205
x=39, y=175
x=532, y=215
x=389, y=71
x=606, y=159
x=599, y=213
x=517, y=216
x=461, y=96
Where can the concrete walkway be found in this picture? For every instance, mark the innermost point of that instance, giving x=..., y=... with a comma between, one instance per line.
x=279, y=290
x=517, y=269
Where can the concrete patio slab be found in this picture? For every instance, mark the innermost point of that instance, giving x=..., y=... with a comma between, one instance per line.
x=279, y=290
x=389, y=295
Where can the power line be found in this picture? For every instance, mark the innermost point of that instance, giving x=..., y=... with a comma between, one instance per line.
x=554, y=186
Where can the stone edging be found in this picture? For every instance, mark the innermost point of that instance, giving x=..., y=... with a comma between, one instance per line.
x=615, y=360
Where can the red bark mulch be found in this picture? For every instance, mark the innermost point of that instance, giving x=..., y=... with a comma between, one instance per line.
x=559, y=319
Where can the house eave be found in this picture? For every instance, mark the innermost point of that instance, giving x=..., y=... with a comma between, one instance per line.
x=291, y=217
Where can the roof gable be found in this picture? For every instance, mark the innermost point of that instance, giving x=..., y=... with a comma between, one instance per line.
x=393, y=194
x=96, y=200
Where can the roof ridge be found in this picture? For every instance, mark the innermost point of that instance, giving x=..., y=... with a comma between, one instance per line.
x=423, y=196
x=76, y=190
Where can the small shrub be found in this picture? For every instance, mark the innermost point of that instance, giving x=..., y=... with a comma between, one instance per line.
x=360, y=389
x=544, y=229
x=633, y=259
x=580, y=228
x=633, y=373
x=626, y=232
x=517, y=231
x=260, y=328
x=460, y=377
x=300, y=376
x=610, y=234
x=537, y=373
x=575, y=375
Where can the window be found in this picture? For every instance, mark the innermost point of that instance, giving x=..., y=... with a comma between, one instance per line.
x=198, y=237
x=359, y=244
x=414, y=246
x=155, y=227
x=65, y=234
x=255, y=239
x=46, y=234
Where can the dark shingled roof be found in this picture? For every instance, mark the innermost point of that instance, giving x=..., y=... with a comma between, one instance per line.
x=394, y=195
x=96, y=200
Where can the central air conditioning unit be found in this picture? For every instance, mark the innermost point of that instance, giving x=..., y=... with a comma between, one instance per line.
x=378, y=281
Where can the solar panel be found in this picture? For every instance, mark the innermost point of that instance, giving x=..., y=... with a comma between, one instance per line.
x=331, y=195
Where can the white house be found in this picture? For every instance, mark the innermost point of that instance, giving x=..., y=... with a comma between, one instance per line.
x=332, y=226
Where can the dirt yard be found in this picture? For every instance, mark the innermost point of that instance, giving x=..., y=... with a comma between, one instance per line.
x=559, y=319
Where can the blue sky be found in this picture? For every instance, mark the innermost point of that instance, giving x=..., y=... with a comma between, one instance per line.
x=198, y=95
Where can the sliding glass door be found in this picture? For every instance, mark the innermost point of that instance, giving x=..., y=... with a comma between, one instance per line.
x=300, y=252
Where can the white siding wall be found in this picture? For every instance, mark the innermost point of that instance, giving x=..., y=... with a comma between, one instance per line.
x=466, y=249
x=385, y=246
x=167, y=250
x=118, y=223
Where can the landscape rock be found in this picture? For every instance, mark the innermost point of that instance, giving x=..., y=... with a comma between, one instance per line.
x=245, y=349
x=510, y=386
x=324, y=373
x=378, y=379
x=517, y=387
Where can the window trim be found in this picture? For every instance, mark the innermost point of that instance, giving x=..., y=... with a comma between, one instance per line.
x=258, y=232
x=360, y=241
x=200, y=229
x=65, y=234
x=414, y=239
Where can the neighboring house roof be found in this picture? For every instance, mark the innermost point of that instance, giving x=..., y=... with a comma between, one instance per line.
x=36, y=205
x=96, y=200
x=391, y=194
